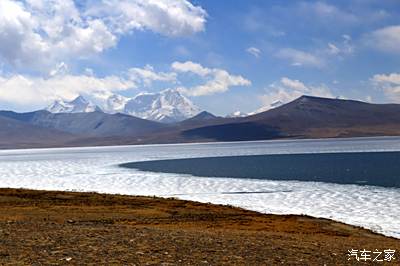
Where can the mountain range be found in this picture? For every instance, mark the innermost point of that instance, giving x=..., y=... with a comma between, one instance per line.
x=78, y=105
x=305, y=117
x=167, y=106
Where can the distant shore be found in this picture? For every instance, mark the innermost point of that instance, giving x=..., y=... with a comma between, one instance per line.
x=50, y=227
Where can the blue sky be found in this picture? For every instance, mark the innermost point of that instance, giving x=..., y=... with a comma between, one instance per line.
x=224, y=55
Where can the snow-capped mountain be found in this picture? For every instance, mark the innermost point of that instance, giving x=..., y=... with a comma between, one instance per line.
x=236, y=114
x=165, y=106
x=268, y=107
x=115, y=104
x=78, y=105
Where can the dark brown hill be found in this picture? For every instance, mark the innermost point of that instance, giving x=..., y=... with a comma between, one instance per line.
x=309, y=117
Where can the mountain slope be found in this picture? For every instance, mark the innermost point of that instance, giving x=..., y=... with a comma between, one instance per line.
x=94, y=124
x=17, y=134
x=323, y=117
x=313, y=117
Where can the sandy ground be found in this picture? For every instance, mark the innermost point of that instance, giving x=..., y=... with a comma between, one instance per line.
x=57, y=228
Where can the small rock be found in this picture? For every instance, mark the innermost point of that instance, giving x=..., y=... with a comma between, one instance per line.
x=66, y=259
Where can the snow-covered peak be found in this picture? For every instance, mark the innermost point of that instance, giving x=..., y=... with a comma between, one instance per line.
x=78, y=105
x=268, y=107
x=165, y=106
x=236, y=114
x=115, y=104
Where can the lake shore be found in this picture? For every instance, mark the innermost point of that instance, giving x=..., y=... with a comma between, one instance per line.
x=51, y=227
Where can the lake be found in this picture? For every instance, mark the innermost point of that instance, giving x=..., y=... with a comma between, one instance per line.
x=356, y=180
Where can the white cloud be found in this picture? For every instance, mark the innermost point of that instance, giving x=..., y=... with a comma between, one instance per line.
x=345, y=47
x=217, y=80
x=220, y=82
x=36, y=91
x=167, y=17
x=391, y=79
x=254, y=51
x=333, y=49
x=287, y=90
x=39, y=33
x=24, y=91
x=319, y=57
x=299, y=58
x=389, y=84
x=147, y=75
x=294, y=84
x=60, y=69
x=327, y=13
x=191, y=67
x=386, y=39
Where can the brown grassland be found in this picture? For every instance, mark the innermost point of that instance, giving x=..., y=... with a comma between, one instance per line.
x=57, y=228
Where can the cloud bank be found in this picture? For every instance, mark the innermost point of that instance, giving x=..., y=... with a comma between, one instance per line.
x=37, y=34
x=26, y=90
x=217, y=80
x=389, y=84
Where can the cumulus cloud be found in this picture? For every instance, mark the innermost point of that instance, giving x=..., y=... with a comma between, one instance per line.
x=37, y=91
x=147, y=75
x=38, y=33
x=299, y=58
x=254, y=51
x=386, y=39
x=389, y=84
x=25, y=90
x=217, y=80
x=191, y=67
x=294, y=84
x=287, y=90
x=33, y=91
x=167, y=17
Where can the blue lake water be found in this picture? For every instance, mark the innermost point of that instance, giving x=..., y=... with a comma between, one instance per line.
x=363, y=168
x=350, y=184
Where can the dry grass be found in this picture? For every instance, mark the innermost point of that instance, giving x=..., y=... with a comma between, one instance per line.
x=52, y=228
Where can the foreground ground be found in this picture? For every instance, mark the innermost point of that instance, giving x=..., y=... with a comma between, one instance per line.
x=52, y=228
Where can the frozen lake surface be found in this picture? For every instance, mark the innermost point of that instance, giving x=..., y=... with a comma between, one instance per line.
x=96, y=169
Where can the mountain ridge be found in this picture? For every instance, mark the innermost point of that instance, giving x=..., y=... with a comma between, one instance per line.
x=77, y=105
x=168, y=106
x=305, y=117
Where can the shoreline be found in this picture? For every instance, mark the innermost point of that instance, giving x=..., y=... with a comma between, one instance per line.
x=82, y=227
x=199, y=143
